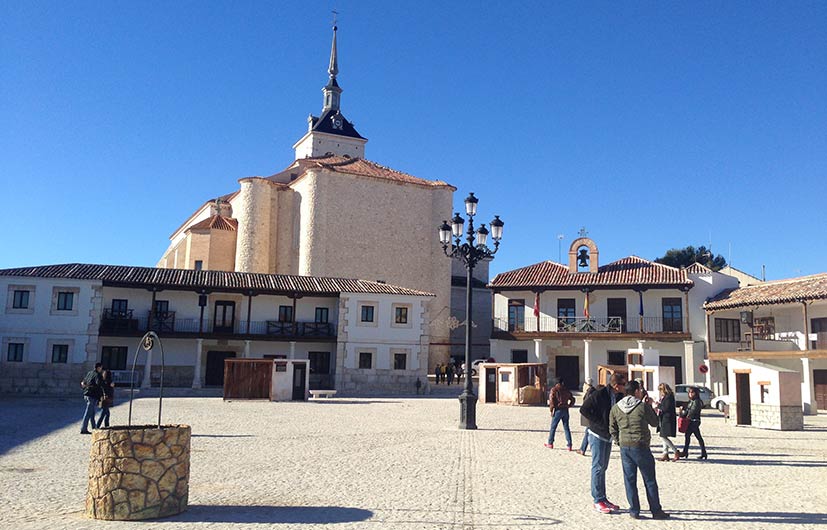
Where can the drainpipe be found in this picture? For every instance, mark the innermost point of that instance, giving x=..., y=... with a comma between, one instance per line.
x=806, y=327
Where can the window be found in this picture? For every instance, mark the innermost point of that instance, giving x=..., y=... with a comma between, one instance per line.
x=504, y=377
x=400, y=361
x=519, y=356
x=65, y=301
x=285, y=313
x=367, y=313
x=565, y=313
x=672, y=314
x=322, y=314
x=727, y=330
x=516, y=315
x=119, y=307
x=319, y=362
x=764, y=328
x=635, y=358
x=199, y=264
x=161, y=307
x=15, y=353
x=365, y=360
x=114, y=357
x=60, y=353
x=21, y=300
x=400, y=315
x=818, y=325
x=616, y=358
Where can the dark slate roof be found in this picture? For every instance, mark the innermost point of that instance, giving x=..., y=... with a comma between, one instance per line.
x=324, y=124
x=627, y=273
x=181, y=279
x=805, y=288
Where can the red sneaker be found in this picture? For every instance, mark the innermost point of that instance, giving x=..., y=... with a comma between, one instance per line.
x=550, y=446
x=611, y=505
x=602, y=507
x=569, y=447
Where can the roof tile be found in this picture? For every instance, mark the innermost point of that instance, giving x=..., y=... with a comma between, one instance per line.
x=801, y=289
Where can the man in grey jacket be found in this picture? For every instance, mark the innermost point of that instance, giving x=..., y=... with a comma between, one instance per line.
x=629, y=422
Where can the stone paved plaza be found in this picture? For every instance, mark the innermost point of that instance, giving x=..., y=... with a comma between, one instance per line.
x=402, y=463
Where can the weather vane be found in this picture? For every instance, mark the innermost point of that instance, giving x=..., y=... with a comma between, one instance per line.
x=583, y=232
x=335, y=15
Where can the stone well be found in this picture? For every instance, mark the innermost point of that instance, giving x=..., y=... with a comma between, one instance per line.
x=138, y=472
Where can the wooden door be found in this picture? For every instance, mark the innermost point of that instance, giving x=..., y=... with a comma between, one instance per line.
x=224, y=316
x=616, y=307
x=320, y=370
x=820, y=381
x=744, y=411
x=214, y=375
x=299, y=391
x=568, y=367
x=491, y=385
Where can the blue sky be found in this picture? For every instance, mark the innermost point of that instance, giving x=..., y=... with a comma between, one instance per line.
x=653, y=124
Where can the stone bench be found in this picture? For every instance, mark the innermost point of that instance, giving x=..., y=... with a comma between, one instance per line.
x=322, y=394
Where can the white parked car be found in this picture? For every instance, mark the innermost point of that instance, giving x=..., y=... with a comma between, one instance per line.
x=682, y=395
x=720, y=402
x=475, y=365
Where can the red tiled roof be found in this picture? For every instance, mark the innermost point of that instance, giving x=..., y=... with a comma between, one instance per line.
x=627, y=272
x=698, y=268
x=181, y=279
x=358, y=166
x=224, y=198
x=801, y=289
x=216, y=222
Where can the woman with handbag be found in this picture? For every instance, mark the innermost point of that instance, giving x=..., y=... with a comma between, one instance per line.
x=667, y=421
x=692, y=413
x=107, y=400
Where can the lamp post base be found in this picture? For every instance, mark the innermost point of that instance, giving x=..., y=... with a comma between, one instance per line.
x=468, y=410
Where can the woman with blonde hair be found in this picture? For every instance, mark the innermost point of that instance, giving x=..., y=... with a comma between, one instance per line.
x=667, y=421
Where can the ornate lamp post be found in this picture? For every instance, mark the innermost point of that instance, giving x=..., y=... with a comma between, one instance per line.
x=470, y=253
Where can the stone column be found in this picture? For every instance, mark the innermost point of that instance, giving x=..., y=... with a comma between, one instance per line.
x=292, y=349
x=246, y=349
x=538, y=350
x=807, y=388
x=689, y=361
x=147, y=383
x=587, y=354
x=196, y=378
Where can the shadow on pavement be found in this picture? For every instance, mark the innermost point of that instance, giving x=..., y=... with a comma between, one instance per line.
x=752, y=517
x=272, y=514
x=42, y=416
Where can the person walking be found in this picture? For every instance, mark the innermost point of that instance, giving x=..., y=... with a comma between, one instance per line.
x=449, y=372
x=588, y=388
x=92, y=392
x=629, y=423
x=108, y=398
x=437, y=374
x=667, y=421
x=596, y=410
x=692, y=411
x=560, y=401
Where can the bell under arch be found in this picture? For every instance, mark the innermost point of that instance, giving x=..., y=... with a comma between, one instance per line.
x=583, y=249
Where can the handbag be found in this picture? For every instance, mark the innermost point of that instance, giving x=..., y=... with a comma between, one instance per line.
x=683, y=423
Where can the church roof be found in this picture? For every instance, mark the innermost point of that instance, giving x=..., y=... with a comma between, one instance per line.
x=216, y=222
x=324, y=123
x=356, y=166
x=629, y=272
x=801, y=289
x=188, y=279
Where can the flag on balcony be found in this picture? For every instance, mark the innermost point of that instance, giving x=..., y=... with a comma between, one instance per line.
x=537, y=304
x=586, y=306
x=640, y=310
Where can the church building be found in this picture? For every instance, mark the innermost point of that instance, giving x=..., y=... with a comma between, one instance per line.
x=331, y=212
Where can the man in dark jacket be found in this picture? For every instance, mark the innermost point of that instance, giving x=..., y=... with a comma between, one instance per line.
x=560, y=401
x=92, y=386
x=629, y=423
x=596, y=409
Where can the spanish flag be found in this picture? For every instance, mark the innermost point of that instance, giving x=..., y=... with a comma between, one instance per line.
x=586, y=306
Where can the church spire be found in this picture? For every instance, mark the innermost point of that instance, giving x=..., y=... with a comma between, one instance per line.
x=332, y=92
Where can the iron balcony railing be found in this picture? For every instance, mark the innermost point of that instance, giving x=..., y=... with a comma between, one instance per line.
x=169, y=324
x=549, y=324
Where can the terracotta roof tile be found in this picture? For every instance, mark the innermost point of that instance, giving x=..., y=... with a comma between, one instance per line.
x=122, y=275
x=358, y=166
x=216, y=222
x=698, y=268
x=788, y=291
x=631, y=271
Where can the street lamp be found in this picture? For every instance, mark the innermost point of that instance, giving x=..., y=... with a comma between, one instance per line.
x=469, y=253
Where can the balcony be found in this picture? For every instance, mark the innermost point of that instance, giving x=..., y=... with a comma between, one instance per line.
x=583, y=327
x=166, y=324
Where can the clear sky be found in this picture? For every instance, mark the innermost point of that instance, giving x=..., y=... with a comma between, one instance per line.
x=652, y=124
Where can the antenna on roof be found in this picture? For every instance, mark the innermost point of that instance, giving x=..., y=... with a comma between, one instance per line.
x=560, y=247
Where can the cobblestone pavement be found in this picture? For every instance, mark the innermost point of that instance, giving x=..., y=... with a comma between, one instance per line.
x=402, y=463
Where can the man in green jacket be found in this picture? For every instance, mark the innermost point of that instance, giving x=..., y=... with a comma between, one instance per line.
x=629, y=422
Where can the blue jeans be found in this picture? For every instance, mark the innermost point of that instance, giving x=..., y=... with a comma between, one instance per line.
x=601, y=451
x=632, y=459
x=104, y=418
x=560, y=414
x=585, y=445
x=89, y=414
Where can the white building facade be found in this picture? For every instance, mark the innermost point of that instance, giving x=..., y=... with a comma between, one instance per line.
x=60, y=320
x=541, y=314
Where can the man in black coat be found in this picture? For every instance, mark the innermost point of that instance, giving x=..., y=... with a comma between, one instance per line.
x=92, y=386
x=595, y=410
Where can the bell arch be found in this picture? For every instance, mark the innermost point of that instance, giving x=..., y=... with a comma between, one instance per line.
x=591, y=255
